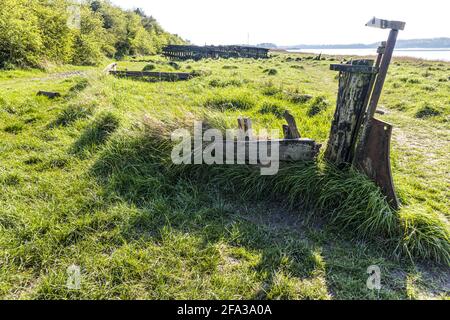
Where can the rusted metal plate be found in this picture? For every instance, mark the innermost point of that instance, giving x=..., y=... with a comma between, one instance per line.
x=373, y=158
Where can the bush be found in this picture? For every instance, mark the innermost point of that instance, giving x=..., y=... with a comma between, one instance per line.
x=20, y=37
x=35, y=31
x=87, y=51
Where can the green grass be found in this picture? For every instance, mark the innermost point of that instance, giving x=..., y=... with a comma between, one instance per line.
x=86, y=179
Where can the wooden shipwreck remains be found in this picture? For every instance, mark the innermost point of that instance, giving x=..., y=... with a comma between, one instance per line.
x=185, y=52
x=356, y=137
x=354, y=85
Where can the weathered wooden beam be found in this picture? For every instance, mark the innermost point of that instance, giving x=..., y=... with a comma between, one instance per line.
x=245, y=124
x=350, y=107
x=159, y=75
x=353, y=68
x=48, y=94
x=289, y=149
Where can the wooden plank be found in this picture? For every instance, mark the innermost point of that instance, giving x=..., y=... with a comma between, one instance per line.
x=353, y=68
x=289, y=149
x=48, y=94
x=292, y=131
x=161, y=75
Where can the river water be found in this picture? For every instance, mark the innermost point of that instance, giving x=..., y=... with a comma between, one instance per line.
x=428, y=54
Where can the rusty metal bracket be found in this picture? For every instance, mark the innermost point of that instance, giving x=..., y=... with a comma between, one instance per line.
x=373, y=159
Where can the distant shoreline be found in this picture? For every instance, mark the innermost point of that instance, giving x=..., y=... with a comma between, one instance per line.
x=432, y=54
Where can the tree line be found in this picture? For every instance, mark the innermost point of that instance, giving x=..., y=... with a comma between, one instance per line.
x=34, y=32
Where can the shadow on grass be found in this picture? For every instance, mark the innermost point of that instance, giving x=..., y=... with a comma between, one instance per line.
x=97, y=133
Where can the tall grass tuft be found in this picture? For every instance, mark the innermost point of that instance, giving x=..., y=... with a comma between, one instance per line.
x=425, y=235
x=233, y=102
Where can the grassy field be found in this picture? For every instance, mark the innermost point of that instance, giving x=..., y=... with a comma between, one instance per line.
x=86, y=179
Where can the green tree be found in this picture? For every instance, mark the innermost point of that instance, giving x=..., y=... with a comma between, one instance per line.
x=20, y=36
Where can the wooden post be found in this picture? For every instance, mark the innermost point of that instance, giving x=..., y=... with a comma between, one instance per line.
x=290, y=131
x=354, y=84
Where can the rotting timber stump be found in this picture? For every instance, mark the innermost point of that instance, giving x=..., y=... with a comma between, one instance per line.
x=354, y=87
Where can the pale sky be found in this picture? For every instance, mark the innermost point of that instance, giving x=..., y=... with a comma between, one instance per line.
x=289, y=22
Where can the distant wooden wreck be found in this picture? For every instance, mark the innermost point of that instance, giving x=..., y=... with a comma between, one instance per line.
x=185, y=52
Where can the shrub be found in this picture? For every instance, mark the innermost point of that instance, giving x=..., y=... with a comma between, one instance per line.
x=87, y=51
